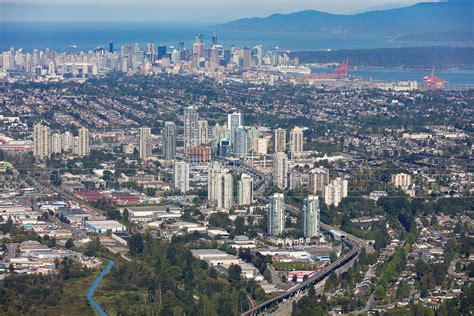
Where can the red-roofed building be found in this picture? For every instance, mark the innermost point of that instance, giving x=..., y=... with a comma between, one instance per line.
x=125, y=197
x=89, y=195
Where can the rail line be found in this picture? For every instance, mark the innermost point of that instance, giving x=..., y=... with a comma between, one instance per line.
x=352, y=242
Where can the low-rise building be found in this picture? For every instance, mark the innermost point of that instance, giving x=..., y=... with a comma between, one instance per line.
x=101, y=227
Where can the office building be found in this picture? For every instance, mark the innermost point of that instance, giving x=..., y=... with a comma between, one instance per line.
x=203, y=132
x=234, y=120
x=280, y=170
x=335, y=191
x=41, y=141
x=144, y=147
x=199, y=154
x=279, y=140
x=224, y=148
x=259, y=54
x=276, y=215
x=214, y=61
x=214, y=39
x=169, y=141
x=245, y=190
x=218, y=133
x=240, y=142
x=311, y=214
x=247, y=59
x=296, y=141
x=191, y=127
x=181, y=176
x=161, y=52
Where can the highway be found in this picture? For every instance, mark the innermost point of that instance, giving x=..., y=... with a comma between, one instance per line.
x=351, y=241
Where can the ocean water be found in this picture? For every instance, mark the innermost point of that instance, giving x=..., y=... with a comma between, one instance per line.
x=89, y=35
x=457, y=78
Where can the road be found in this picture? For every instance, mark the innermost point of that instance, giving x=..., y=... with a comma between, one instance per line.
x=260, y=182
x=315, y=278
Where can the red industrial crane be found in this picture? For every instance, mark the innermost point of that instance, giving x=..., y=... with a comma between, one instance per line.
x=341, y=71
x=433, y=82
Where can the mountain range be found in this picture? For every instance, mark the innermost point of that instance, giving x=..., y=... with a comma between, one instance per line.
x=426, y=17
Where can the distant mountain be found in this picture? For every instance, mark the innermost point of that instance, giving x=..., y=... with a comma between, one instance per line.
x=427, y=17
x=387, y=6
x=450, y=36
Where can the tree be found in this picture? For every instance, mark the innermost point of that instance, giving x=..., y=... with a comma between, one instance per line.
x=403, y=290
x=267, y=275
x=379, y=292
x=234, y=273
x=69, y=243
x=125, y=215
x=52, y=242
x=8, y=226
x=56, y=178
x=136, y=244
x=92, y=247
x=219, y=219
x=113, y=214
x=239, y=225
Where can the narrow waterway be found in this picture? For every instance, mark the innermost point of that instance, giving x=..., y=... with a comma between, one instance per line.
x=95, y=284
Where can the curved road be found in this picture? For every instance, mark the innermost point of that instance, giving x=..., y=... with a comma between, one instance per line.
x=315, y=278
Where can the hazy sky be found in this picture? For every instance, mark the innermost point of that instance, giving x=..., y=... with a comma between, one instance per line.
x=182, y=10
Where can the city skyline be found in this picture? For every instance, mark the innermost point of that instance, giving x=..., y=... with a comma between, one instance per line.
x=299, y=164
